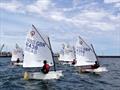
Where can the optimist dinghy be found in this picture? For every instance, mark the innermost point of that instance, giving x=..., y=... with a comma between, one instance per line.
x=86, y=57
x=17, y=53
x=38, y=49
x=67, y=54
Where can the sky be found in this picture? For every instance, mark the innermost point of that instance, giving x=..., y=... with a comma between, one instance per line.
x=96, y=21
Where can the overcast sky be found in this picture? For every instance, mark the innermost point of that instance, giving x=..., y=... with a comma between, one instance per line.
x=96, y=21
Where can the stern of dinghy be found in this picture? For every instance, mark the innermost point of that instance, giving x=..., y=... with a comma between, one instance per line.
x=101, y=69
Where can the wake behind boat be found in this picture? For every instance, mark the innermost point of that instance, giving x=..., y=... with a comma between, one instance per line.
x=38, y=49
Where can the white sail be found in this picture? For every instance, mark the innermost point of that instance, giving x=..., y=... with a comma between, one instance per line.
x=37, y=49
x=84, y=53
x=17, y=53
x=61, y=54
x=67, y=54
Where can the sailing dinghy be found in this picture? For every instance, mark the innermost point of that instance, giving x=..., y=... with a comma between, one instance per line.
x=86, y=57
x=38, y=49
x=61, y=54
x=67, y=54
x=17, y=53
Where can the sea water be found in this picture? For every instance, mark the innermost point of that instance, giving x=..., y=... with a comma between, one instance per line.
x=11, y=78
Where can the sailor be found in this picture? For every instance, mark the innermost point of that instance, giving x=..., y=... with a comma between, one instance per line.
x=18, y=60
x=96, y=65
x=45, y=68
x=74, y=62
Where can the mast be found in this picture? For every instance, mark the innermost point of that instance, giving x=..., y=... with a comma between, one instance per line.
x=94, y=52
x=47, y=46
x=52, y=54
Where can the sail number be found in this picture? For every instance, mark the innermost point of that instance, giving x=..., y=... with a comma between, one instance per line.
x=80, y=50
x=33, y=45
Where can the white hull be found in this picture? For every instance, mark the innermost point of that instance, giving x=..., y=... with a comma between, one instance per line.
x=41, y=76
x=66, y=62
x=18, y=64
x=98, y=70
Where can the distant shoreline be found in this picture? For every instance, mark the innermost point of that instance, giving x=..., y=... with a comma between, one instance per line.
x=108, y=56
x=97, y=56
x=5, y=56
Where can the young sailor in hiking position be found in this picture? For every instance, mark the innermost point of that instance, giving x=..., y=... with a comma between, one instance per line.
x=96, y=65
x=18, y=60
x=45, y=68
x=74, y=62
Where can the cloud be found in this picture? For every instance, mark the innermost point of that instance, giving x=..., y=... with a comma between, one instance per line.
x=57, y=16
x=99, y=20
x=85, y=18
x=117, y=5
x=39, y=6
x=115, y=2
x=46, y=9
x=76, y=3
x=102, y=26
x=111, y=1
x=12, y=6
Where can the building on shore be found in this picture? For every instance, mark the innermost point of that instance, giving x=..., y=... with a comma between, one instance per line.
x=5, y=54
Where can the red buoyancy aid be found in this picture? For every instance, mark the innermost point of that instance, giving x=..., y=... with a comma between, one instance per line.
x=46, y=68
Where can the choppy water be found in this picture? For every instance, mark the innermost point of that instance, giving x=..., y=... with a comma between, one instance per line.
x=11, y=78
